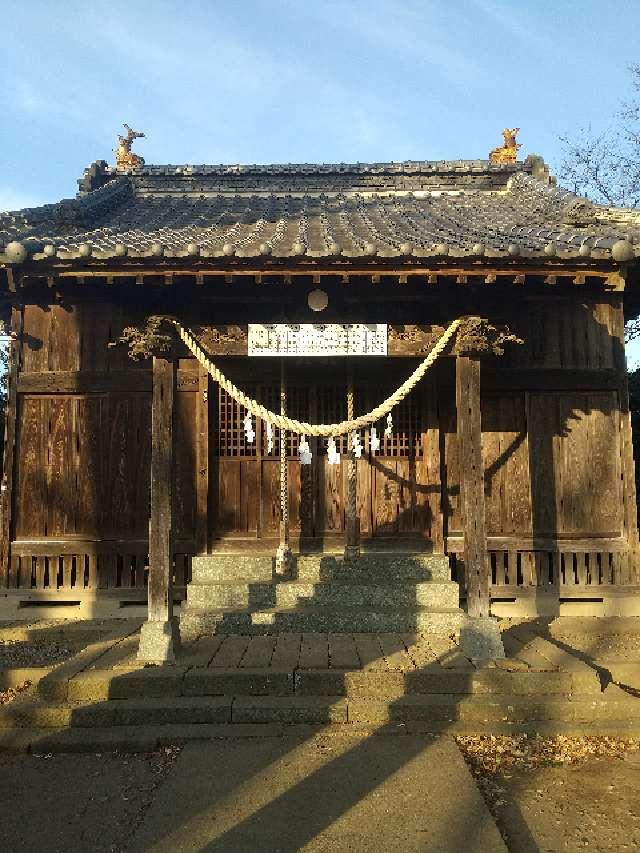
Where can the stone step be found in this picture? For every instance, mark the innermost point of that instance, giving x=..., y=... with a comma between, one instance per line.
x=147, y=738
x=156, y=683
x=195, y=622
x=297, y=709
x=375, y=568
x=437, y=680
x=440, y=595
x=232, y=568
x=119, y=712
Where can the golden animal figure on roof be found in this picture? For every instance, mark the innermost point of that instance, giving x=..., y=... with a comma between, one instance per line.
x=508, y=152
x=125, y=158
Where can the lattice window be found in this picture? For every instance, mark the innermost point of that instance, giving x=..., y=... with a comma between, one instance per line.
x=270, y=397
x=231, y=440
x=406, y=436
x=331, y=405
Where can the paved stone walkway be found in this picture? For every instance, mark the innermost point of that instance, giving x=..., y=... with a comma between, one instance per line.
x=385, y=652
x=340, y=794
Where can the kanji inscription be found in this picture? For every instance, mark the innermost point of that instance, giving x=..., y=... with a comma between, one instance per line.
x=289, y=339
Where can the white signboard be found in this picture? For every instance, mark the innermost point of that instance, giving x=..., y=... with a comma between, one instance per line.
x=317, y=339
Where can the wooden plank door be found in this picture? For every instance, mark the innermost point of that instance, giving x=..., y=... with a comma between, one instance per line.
x=398, y=487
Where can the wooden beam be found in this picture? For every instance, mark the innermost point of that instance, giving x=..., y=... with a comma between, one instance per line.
x=472, y=485
x=6, y=495
x=84, y=381
x=202, y=461
x=495, y=378
x=159, y=636
x=607, y=276
x=455, y=543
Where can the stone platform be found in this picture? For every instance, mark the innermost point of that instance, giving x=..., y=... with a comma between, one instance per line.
x=239, y=593
x=236, y=686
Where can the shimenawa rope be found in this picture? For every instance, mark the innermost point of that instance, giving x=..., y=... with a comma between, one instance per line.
x=321, y=430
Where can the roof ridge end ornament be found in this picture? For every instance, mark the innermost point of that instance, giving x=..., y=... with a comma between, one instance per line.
x=125, y=158
x=508, y=152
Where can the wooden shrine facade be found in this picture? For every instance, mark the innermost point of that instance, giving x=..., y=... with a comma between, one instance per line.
x=553, y=446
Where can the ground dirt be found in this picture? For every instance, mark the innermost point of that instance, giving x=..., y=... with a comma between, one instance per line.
x=546, y=794
x=560, y=794
x=77, y=803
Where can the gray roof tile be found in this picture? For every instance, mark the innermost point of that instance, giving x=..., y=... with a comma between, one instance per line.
x=362, y=210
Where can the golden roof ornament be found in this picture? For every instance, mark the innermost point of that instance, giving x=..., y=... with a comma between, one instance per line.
x=125, y=158
x=508, y=152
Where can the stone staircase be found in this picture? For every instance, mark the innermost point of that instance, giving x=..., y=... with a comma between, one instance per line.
x=239, y=593
x=234, y=686
x=152, y=707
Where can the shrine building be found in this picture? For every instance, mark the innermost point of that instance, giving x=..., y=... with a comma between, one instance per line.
x=387, y=396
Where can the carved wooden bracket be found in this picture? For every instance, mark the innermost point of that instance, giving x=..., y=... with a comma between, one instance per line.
x=478, y=337
x=147, y=342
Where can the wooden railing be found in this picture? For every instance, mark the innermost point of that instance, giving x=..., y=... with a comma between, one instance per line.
x=83, y=566
x=563, y=570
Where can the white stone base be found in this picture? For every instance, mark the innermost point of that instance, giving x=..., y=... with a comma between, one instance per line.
x=284, y=562
x=159, y=641
x=480, y=639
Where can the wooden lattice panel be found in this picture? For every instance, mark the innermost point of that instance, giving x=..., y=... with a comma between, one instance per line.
x=231, y=440
x=405, y=440
x=331, y=403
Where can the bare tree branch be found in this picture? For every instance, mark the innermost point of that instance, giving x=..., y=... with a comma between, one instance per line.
x=606, y=167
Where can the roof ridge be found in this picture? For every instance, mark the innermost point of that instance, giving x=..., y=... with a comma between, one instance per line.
x=393, y=166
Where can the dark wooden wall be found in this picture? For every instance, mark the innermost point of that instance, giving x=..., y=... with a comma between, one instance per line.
x=556, y=445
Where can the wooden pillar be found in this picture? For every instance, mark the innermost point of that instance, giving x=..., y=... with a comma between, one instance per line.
x=472, y=485
x=352, y=548
x=159, y=638
x=283, y=554
x=6, y=495
x=202, y=462
x=629, y=571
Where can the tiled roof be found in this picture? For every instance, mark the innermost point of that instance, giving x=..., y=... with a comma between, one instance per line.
x=417, y=209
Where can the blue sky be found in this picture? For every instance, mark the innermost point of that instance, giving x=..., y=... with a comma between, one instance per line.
x=317, y=80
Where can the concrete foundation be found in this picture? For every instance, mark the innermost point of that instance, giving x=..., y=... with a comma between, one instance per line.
x=480, y=639
x=159, y=642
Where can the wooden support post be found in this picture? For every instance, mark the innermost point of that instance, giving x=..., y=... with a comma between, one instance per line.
x=283, y=554
x=202, y=462
x=352, y=547
x=6, y=495
x=160, y=637
x=630, y=574
x=472, y=485
x=480, y=638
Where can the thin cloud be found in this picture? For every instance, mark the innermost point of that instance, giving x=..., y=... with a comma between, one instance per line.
x=514, y=20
